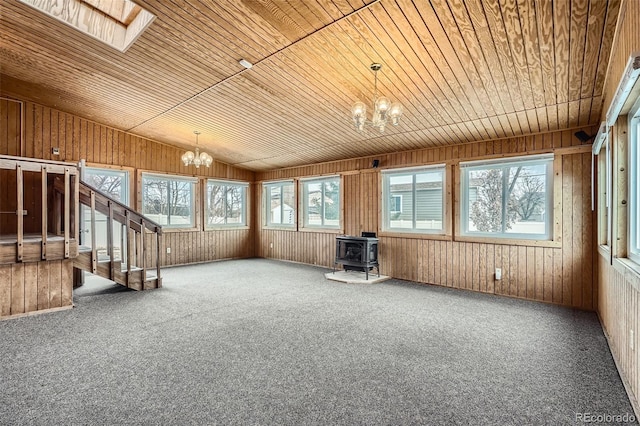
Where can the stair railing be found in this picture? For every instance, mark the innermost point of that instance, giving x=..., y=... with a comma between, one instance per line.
x=135, y=230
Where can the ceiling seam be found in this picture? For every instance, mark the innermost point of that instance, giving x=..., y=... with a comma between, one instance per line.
x=226, y=79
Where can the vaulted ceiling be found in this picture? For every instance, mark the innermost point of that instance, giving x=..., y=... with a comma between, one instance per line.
x=464, y=70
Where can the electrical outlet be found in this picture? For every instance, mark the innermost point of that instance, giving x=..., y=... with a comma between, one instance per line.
x=270, y=245
x=631, y=338
x=168, y=250
x=498, y=274
x=55, y=151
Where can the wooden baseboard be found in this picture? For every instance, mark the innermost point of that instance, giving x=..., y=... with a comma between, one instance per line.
x=42, y=311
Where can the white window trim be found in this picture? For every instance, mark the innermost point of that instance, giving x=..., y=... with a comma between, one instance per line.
x=305, y=208
x=267, y=210
x=467, y=166
x=245, y=200
x=192, y=181
x=608, y=188
x=412, y=171
x=634, y=185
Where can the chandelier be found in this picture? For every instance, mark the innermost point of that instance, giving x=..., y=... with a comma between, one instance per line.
x=197, y=159
x=383, y=110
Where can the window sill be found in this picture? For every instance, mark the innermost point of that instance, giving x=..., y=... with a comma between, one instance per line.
x=280, y=228
x=322, y=230
x=226, y=228
x=509, y=241
x=166, y=230
x=630, y=270
x=416, y=236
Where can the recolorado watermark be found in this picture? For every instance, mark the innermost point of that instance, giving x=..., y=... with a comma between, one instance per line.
x=605, y=418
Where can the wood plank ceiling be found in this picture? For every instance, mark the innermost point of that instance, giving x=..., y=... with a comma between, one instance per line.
x=464, y=70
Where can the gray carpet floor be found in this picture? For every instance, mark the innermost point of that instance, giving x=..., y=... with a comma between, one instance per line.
x=271, y=343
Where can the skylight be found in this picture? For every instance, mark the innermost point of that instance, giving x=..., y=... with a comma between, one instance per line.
x=117, y=23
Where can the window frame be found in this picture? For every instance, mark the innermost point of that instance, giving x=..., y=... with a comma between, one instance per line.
x=125, y=196
x=304, y=208
x=194, y=198
x=633, y=241
x=245, y=204
x=530, y=160
x=266, y=198
x=608, y=181
x=386, y=175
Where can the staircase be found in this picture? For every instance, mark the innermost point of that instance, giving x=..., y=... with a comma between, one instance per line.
x=134, y=260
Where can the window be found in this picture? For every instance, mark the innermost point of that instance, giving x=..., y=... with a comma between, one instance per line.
x=169, y=200
x=509, y=198
x=413, y=200
x=608, y=186
x=279, y=202
x=226, y=203
x=634, y=185
x=321, y=202
x=114, y=183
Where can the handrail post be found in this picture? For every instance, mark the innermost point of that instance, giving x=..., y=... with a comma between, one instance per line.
x=123, y=235
x=158, y=240
x=126, y=218
x=67, y=212
x=110, y=240
x=94, y=254
x=20, y=211
x=143, y=252
x=45, y=212
x=76, y=213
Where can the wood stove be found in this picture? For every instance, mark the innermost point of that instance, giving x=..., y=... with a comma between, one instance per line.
x=357, y=254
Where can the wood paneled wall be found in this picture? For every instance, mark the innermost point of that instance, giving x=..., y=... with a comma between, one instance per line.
x=204, y=246
x=560, y=273
x=618, y=302
x=10, y=116
x=78, y=138
x=619, y=310
x=35, y=286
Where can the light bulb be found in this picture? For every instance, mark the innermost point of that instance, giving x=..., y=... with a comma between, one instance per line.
x=396, y=110
x=189, y=155
x=359, y=109
x=382, y=104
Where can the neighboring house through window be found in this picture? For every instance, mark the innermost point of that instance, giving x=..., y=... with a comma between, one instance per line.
x=321, y=201
x=413, y=199
x=279, y=202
